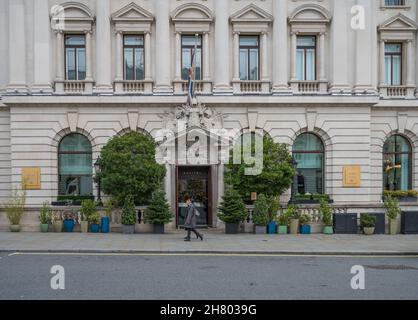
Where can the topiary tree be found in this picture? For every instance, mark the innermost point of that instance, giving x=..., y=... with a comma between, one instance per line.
x=261, y=211
x=158, y=211
x=232, y=208
x=128, y=212
x=128, y=167
x=326, y=212
x=276, y=175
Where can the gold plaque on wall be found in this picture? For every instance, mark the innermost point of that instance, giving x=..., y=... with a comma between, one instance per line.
x=352, y=177
x=31, y=178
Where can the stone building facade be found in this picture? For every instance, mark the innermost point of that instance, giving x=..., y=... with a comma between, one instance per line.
x=339, y=75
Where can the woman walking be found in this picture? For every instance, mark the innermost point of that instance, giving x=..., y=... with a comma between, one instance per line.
x=190, y=223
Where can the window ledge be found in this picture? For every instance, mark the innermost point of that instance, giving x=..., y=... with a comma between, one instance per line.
x=200, y=86
x=397, y=92
x=251, y=86
x=133, y=86
x=395, y=7
x=74, y=86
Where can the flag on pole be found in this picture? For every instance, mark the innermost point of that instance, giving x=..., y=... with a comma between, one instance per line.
x=190, y=85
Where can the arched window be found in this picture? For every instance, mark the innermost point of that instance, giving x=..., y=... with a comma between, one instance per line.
x=75, y=165
x=397, y=166
x=308, y=152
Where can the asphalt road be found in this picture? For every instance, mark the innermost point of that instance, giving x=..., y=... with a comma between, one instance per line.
x=27, y=276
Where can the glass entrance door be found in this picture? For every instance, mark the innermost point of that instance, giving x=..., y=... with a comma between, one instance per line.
x=193, y=182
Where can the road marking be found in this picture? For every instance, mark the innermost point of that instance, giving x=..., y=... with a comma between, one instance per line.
x=205, y=255
x=13, y=254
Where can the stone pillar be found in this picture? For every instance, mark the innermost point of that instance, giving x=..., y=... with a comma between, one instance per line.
x=163, y=56
x=410, y=64
x=382, y=63
x=41, y=27
x=236, y=57
x=264, y=59
x=280, y=48
x=322, y=76
x=147, y=56
x=177, y=76
x=89, y=60
x=206, y=57
x=340, y=48
x=17, y=47
x=364, y=52
x=293, y=57
x=119, y=56
x=103, y=47
x=222, y=72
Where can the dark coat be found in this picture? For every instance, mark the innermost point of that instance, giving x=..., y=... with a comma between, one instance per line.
x=191, y=217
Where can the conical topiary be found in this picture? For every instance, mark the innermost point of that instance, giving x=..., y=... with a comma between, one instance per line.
x=158, y=211
x=232, y=208
x=261, y=211
x=128, y=212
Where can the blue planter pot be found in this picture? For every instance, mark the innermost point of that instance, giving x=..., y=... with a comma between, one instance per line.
x=68, y=225
x=105, y=224
x=94, y=228
x=271, y=228
x=305, y=229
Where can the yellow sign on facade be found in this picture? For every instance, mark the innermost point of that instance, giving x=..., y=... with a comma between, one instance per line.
x=352, y=177
x=31, y=178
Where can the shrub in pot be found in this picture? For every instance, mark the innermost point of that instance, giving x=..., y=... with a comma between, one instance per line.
x=274, y=208
x=284, y=221
x=69, y=221
x=105, y=221
x=56, y=220
x=293, y=212
x=261, y=214
x=304, y=220
x=128, y=216
x=45, y=216
x=14, y=208
x=326, y=213
x=367, y=223
x=88, y=207
x=94, y=220
x=158, y=212
x=232, y=211
x=392, y=211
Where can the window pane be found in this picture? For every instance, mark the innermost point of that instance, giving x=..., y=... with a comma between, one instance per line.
x=396, y=143
x=300, y=64
x=388, y=70
x=75, y=40
x=397, y=73
x=191, y=41
x=248, y=41
x=133, y=40
x=70, y=64
x=198, y=71
x=75, y=164
x=186, y=60
x=139, y=64
x=243, y=64
x=81, y=63
x=310, y=64
x=129, y=64
x=308, y=142
x=75, y=143
x=253, y=64
x=393, y=48
x=308, y=41
x=309, y=178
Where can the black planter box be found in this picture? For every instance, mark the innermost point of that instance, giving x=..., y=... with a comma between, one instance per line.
x=345, y=223
x=409, y=222
x=379, y=227
x=158, y=229
x=231, y=228
x=307, y=201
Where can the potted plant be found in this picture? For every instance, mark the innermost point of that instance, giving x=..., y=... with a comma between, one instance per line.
x=284, y=221
x=94, y=220
x=367, y=223
x=232, y=211
x=294, y=219
x=274, y=208
x=128, y=216
x=105, y=221
x=261, y=214
x=304, y=220
x=401, y=195
x=45, y=216
x=326, y=214
x=158, y=212
x=14, y=208
x=69, y=221
x=88, y=207
x=392, y=211
x=56, y=220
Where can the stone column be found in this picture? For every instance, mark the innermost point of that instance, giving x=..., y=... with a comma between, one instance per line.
x=410, y=64
x=293, y=57
x=60, y=56
x=280, y=48
x=147, y=56
x=364, y=52
x=177, y=76
x=340, y=50
x=41, y=28
x=222, y=72
x=382, y=63
x=119, y=56
x=89, y=60
x=206, y=57
x=163, y=52
x=264, y=59
x=17, y=47
x=323, y=83
x=103, y=47
x=236, y=57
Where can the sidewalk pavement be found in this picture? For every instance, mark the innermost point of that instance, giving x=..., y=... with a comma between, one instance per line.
x=215, y=242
